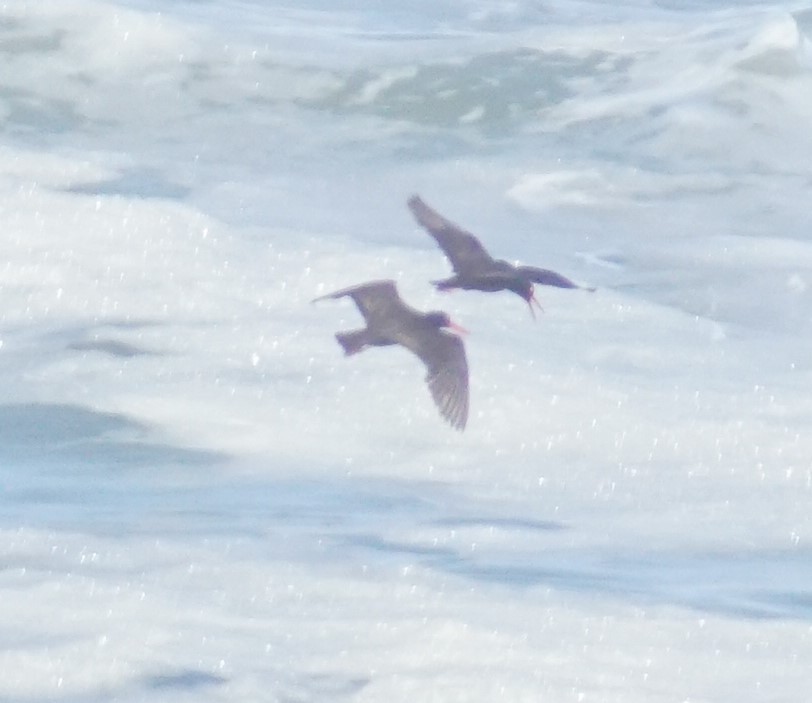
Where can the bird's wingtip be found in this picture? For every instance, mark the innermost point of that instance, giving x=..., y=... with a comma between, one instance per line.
x=415, y=202
x=321, y=297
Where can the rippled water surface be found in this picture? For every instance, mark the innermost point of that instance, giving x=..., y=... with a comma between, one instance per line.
x=203, y=500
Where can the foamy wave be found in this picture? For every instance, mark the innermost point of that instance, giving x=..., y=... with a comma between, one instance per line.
x=779, y=49
x=610, y=187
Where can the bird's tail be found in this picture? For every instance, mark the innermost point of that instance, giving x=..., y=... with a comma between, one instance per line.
x=446, y=284
x=352, y=342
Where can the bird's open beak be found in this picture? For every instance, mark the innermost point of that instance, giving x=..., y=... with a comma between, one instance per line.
x=459, y=329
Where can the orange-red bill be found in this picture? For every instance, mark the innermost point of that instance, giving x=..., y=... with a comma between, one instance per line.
x=530, y=302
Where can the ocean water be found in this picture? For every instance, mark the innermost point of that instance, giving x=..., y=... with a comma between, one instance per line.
x=201, y=499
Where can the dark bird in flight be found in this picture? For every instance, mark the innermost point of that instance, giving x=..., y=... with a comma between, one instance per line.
x=390, y=321
x=474, y=268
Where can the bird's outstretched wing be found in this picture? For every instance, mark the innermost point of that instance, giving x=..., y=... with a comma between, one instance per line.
x=377, y=300
x=447, y=377
x=546, y=277
x=462, y=248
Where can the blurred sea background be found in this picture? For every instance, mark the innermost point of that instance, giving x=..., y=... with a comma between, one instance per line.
x=201, y=499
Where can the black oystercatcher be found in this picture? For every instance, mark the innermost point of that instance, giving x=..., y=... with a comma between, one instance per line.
x=390, y=321
x=475, y=268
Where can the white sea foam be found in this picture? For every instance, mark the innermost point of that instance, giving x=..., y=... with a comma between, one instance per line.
x=204, y=500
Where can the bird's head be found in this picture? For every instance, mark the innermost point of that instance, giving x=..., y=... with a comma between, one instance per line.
x=440, y=319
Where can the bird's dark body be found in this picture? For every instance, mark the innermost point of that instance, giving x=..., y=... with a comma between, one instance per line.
x=390, y=321
x=500, y=275
x=474, y=268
